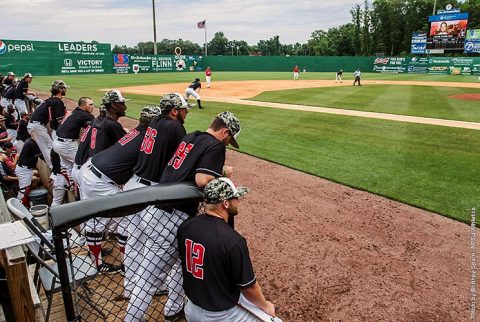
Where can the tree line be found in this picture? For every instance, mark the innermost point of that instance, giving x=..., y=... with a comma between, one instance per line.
x=381, y=26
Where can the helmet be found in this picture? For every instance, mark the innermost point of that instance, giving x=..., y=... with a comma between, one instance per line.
x=197, y=79
x=150, y=112
x=59, y=85
x=173, y=100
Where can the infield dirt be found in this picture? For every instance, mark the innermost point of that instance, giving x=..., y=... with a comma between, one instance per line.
x=326, y=252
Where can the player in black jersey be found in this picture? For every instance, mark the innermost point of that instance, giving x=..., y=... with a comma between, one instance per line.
x=57, y=180
x=199, y=158
x=68, y=133
x=21, y=90
x=106, y=172
x=50, y=112
x=218, y=276
x=164, y=133
x=100, y=135
x=26, y=165
x=22, y=132
x=192, y=90
x=7, y=82
x=11, y=121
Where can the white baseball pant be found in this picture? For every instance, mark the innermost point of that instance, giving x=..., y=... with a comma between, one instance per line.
x=160, y=261
x=295, y=75
x=59, y=187
x=338, y=78
x=18, y=144
x=190, y=91
x=39, y=133
x=208, y=78
x=94, y=185
x=4, y=103
x=21, y=106
x=24, y=176
x=66, y=149
x=12, y=134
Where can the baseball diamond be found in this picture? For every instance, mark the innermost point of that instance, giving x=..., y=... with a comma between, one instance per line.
x=372, y=243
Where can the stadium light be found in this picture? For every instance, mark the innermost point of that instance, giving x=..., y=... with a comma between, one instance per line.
x=434, y=7
x=154, y=30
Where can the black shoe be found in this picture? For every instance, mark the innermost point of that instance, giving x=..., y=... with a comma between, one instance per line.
x=176, y=317
x=201, y=107
x=161, y=293
x=106, y=251
x=107, y=268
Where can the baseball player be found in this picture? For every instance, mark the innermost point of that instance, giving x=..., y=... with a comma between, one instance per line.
x=295, y=72
x=106, y=172
x=338, y=77
x=68, y=133
x=7, y=82
x=22, y=132
x=163, y=136
x=7, y=96
x=19, y=97
x=199, y=158
x=104, y=132
x=208, y=76
x=11, y=123
x=57, y=180
x=191, y=90
x=3, y=131
x=357, y=76
x=217, y=271
x=26, y=165
x=50, y=112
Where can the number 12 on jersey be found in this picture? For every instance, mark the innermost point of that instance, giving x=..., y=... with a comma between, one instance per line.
x=194, y=253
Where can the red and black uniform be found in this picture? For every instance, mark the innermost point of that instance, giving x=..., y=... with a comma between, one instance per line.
x=22, y=132
x=103, y=134
x=21, y=90
x=215, y=263
x=71, y=125
x=52, y=111
x=162, y=138
x=117, y=161
x=83, y=147
x=29, y=156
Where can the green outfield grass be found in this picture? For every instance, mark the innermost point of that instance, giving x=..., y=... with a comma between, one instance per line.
x=432, y=167
x=426, y=101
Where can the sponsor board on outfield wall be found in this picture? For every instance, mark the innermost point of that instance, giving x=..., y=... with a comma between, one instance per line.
x=123, y=63
x=53, y=58
x=422, y=65
x=472, y=41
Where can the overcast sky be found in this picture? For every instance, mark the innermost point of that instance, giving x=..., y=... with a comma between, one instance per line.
x=129, y=22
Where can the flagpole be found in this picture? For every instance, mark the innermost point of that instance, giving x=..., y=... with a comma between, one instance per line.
x=205, y=38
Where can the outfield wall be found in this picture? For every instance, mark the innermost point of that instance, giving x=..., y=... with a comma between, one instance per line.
x=284, y=63
x=54, y=58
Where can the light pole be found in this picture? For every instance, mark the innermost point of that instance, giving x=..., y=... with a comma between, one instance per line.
x=238, y=47
x=154, y=30
x=233, y=46
x=434, y=7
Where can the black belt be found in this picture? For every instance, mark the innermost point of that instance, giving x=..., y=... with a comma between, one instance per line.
x=144, y=181
x=98, y=174
x=95, y=172
x=65, y=140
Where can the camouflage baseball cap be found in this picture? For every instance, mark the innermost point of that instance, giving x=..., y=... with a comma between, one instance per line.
x=233, y=125
x=113, y=96
x=10, y=74
x=150, y=112
x=221, y=189
x=173, y=100
x=59, y=84
x=27, y=75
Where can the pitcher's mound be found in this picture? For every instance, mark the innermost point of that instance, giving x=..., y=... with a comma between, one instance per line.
x=468, y=97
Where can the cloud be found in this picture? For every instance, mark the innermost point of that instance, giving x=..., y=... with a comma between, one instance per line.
x=129, y=22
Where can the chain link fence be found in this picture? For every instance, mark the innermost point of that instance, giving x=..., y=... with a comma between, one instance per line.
x=129, y=271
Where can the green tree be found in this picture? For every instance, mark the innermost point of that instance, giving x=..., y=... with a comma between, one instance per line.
x=218, y=44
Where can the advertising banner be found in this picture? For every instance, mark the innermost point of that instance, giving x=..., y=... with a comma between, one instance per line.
x=419, y=43
x=447, y=32
x=417, y=65
x=54, y=58
x=391, y=65
x=472, y=41
x=124, y=64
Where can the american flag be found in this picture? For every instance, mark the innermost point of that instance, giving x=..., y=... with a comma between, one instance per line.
x=201, y=24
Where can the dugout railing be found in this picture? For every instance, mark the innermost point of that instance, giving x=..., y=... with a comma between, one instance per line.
x=101, y=297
